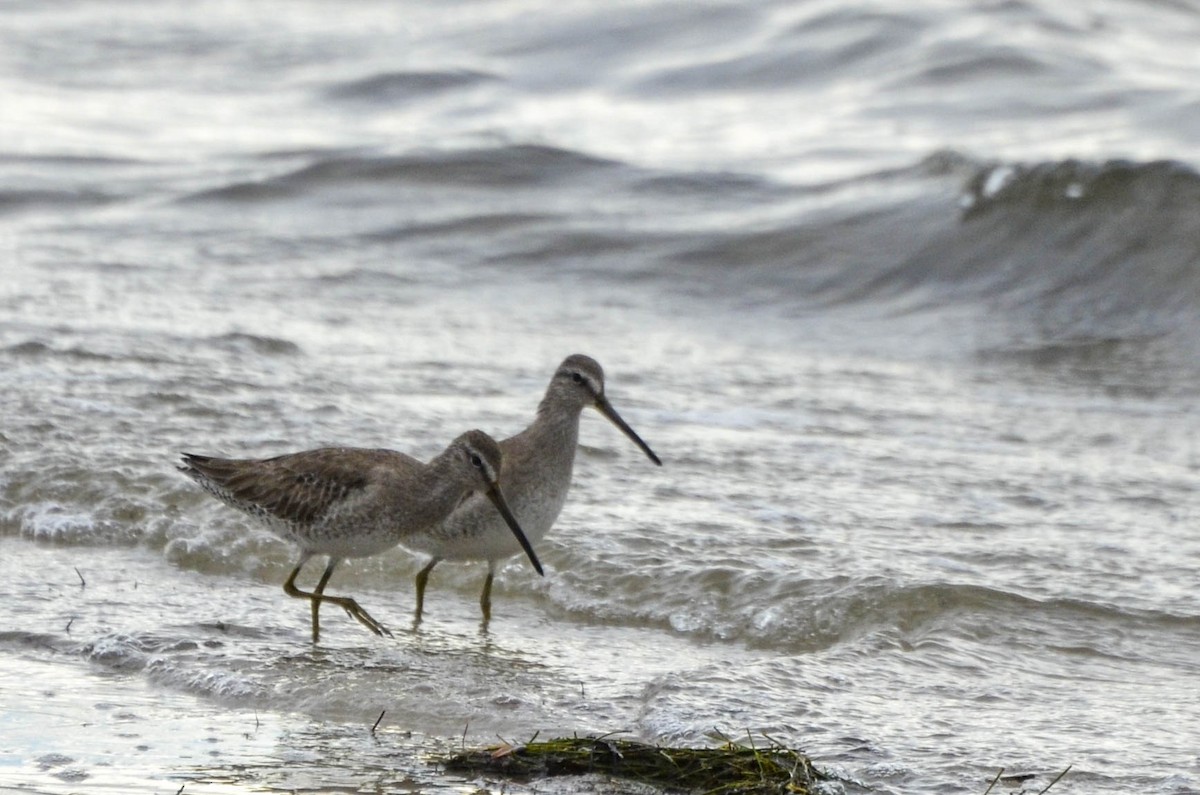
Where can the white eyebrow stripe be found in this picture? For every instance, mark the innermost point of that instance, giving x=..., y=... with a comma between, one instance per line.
x=488, y=471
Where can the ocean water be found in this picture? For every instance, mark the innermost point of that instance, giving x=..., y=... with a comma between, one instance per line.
x=904, y=295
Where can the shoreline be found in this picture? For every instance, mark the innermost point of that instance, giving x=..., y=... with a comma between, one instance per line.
x=85, y=730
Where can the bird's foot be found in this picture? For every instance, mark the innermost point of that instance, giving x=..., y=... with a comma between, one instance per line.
x=356, y=612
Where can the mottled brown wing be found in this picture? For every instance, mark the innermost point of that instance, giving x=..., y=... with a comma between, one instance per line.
x=298, y=488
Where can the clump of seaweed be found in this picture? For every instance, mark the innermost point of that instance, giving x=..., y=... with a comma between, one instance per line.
x=731, y=769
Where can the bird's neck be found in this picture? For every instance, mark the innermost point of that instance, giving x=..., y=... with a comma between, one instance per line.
x=443, y=485
x=554, y=411
x=554, y=432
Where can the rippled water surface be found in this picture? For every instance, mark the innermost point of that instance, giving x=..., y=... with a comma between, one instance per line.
x=905, y=298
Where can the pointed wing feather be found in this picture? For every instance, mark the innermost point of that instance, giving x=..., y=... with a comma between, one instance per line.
x=297, y=488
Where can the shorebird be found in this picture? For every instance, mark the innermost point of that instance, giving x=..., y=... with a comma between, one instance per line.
x=346, y=502
x=536, y=473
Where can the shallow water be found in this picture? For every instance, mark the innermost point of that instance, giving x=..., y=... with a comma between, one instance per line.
x=904, y=298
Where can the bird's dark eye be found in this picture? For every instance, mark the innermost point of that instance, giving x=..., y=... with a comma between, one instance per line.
x=577, y=378
x=477, y=462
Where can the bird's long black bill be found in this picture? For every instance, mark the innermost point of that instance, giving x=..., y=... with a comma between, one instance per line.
x=607, y=410
x=498, y=500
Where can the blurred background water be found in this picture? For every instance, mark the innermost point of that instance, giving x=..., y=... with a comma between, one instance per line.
x=905, y=297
